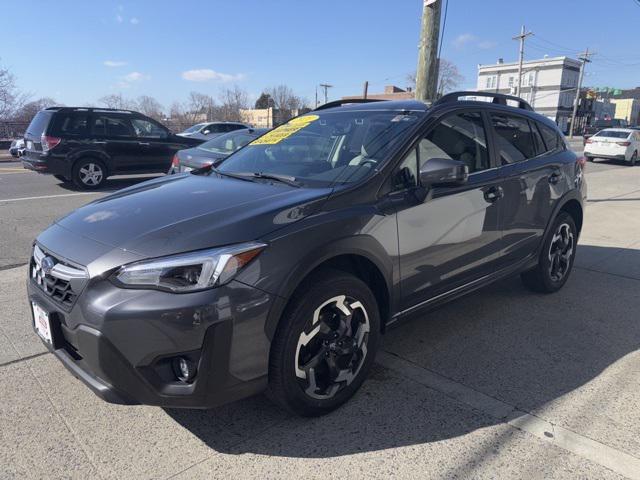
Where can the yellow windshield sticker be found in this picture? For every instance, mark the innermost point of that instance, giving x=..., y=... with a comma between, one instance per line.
x=285, y=131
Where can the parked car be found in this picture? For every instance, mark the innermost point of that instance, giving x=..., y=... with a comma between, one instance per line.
x=87, y=145
x=213, y=151
x=591, y=130
x=281, y=269
x=208, y=130
x=17, y=147
x=615, y=144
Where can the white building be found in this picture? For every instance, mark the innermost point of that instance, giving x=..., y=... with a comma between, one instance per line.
x=548, y=84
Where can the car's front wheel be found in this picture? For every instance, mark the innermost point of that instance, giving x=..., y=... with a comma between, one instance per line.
x=556, y=257
x=325, y=344
x=89, y=173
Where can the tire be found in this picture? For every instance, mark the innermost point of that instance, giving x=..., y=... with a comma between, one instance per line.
x=89, y=173
x=634, y=159
x=589, y=159
x=337, y=347
x=556, y=257
x=62, y=178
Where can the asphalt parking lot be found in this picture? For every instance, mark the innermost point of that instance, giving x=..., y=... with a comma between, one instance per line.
x=500, y=384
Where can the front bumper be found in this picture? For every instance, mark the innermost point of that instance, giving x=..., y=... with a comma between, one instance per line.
x=120, y=342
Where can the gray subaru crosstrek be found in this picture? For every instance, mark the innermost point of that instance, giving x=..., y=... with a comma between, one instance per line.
x=281, y=269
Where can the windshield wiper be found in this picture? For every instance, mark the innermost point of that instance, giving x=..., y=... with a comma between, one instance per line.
x=286, y=179
x=230, y=175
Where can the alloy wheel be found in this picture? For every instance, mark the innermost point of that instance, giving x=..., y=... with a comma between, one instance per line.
x=330, y=355
x=560, y=252
x=91, y=174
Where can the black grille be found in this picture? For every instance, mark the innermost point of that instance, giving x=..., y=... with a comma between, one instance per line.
x=63, y=285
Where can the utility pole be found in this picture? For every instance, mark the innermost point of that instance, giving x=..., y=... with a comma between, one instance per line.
x=585, y=59
x=326, y=87
x=316, y=96
x=427, y=71
x=365, y=90
x=523, y=35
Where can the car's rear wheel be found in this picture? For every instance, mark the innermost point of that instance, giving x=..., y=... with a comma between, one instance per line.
x=89, y=173
x=556, y=258
x=634, y=159
x=325, y=344
x=589, y=158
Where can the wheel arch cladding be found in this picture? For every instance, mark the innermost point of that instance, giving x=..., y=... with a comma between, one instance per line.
x=573, y=208
x=372, y=271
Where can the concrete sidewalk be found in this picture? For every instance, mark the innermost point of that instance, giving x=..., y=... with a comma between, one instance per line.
x=500, y=384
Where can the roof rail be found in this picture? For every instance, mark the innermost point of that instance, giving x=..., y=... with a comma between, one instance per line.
x=499, y=98
x=339, y=103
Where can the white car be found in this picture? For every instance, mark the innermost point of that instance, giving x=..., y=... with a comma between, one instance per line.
x=614, y=143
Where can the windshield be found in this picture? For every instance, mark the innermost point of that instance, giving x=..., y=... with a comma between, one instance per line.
x=612, y=134
x=228, y=143
x=326, y=148
x=195, y=128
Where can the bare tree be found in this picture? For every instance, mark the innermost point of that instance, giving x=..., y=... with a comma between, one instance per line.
x=150, y=107
x=449, y=77
x=232, y=100
x=26, y=112
x=200, y=107
x=10, y=98
x=285, y=101
x=116, y=100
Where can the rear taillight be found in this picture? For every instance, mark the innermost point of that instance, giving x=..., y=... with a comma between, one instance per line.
x=175, y=162
x=624, y=144
x=49, y=142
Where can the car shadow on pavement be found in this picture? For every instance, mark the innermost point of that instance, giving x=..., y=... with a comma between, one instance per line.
x=525, y=349
x=112, y=184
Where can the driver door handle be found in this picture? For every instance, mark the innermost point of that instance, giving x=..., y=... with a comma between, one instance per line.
x=144, y=144
x=494, y=194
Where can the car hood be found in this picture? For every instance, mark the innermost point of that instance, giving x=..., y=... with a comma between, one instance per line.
x=180, y=213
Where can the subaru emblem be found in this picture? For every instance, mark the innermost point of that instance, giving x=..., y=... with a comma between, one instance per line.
x=47, y=264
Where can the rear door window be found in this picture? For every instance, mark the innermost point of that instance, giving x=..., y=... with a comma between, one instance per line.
x=514, y=138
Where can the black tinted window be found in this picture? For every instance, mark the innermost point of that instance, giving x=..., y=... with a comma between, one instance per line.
x=112, y=126
x=513, y=134
x=146, y=129
x=458, y=137
x=71, y=123
x=551, y=138
x=39, y=123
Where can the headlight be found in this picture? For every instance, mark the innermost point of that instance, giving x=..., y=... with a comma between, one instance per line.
x=189, y=272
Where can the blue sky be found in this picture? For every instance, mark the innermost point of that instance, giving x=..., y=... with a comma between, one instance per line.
x=78, y=51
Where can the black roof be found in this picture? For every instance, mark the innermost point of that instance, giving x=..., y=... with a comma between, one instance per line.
x=342, y=105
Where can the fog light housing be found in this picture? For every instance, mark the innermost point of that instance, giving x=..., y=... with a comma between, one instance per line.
x=184, y=369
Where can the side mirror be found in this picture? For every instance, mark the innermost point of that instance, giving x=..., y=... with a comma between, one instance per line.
x=439, y=172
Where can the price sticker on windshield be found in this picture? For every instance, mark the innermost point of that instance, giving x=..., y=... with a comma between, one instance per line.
x=285, y=131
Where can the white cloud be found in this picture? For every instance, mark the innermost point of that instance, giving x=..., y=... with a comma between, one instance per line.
x=469, y=39
x=206, y=75
x=119, y=18
x=114, y=63
x=464, y=39
x=134, y=21
x=135, y=77
x=487, y=45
